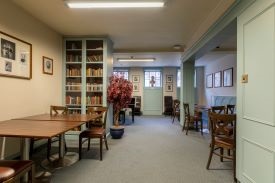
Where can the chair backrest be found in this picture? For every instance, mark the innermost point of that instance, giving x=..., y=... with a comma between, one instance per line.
x=58, y=110
x=186, y=110
x=99, y=110
x=219, y=124
x=230, y=109
x=176, y=105
x=218, y=109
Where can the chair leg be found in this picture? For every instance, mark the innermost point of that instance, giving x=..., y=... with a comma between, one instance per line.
x=31, y=147
x=173, y=119
x=100, y=148
x=31, y=174
x=210, y=156
x=187, y=129
x=105, y=140
x=221, y=152
x=201, y=127
x=89, y=140
x=80, y=147
x=183, y=126
x=49, y=146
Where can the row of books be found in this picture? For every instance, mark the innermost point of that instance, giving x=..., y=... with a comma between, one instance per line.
x=72, y=86
x=94, y=72
x=94, y=100
x=94, y=87
x=95, y=58
x=73, y=72
x=73, y=100
x=74, y=58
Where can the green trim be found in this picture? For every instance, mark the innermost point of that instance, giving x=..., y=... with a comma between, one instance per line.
x=236, y=9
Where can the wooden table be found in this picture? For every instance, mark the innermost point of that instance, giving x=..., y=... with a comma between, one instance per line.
x=26, y=129
x=61, y=117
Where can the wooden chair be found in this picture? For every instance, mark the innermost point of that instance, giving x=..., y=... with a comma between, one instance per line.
x=191, y=119
x=96, y=130
x=12, y=170
x=54, y=110
x=176, y=109
x=220, y=137
x=230, y=109
x=218, y=109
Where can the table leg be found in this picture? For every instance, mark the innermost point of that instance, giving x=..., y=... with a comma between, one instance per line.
x=61, y=159
x=25, y=148
x=2, y=157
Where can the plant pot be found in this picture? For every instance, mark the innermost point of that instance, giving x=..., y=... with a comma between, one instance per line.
x=117, y=132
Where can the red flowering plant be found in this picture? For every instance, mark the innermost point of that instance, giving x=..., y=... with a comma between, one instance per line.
x=119, y=93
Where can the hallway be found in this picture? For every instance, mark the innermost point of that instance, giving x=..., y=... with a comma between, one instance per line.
x=152, y=150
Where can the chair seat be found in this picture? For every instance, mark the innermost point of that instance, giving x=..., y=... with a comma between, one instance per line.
x=6, y=173
x=224, y=142
x=9, y=168
x=93, y=132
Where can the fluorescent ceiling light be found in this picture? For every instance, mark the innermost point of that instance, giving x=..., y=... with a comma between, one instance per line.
x=114, y=4
x=136, y=59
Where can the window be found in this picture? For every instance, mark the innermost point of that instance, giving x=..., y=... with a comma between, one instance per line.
x=122, y=73
x=178, y=78
x=152, y=78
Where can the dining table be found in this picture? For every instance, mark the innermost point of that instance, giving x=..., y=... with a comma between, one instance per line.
x=44, y=126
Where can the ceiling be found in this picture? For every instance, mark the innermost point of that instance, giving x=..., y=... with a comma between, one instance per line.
x=132, y=30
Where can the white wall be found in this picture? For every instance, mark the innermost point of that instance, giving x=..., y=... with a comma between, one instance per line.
x=169, y=71
x=228, y=61
x=21, y=97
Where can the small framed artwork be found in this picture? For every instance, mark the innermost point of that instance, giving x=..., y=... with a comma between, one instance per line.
x=217, y=79
x=228, y=77
x=169, y=78
x=169, y=87
x=136, y=78
x=209, y=81
x=47, y=65
x=15, y=57
x=135, y=87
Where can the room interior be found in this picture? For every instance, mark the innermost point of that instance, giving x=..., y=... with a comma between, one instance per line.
x=186, y=47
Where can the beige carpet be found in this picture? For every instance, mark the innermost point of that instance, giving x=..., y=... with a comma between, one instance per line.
x=152, y=150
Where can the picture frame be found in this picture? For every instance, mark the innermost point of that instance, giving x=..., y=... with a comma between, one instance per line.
x=135, y=87
x=218, y=79
x=135, y=79
x=228, y=77
x=169, y=87
x=15, y=57
x=209, y=81
x=169, y=78
x=47, y=65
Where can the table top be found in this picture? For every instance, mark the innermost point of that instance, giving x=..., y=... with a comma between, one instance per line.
x=61, y=117
x=35, y=129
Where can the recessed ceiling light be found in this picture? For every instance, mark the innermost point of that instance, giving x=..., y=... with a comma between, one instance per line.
x=114, y=4
x=136, y=59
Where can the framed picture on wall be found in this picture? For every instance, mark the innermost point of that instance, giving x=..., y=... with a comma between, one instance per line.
x=217, y=79
x=209, y=81
x=135, y=78
x=228, y=77
x=168, y=87
x=15, y=57
x=169, y=78
x=135, y=87
x=47, y=65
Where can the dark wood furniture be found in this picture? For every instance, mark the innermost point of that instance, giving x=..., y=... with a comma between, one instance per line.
x=168, y=105
x=176, y=109
x=54, y=110
x=96, y=129
x=12, y=171
x=188, y=119
x=230, y=109
x=218, y=109
x=221, y=138
x=137, y=102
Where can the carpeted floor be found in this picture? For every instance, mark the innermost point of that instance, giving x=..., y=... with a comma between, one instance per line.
x=152, y=150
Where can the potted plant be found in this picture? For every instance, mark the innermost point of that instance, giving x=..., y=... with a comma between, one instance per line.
x=119, y=93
